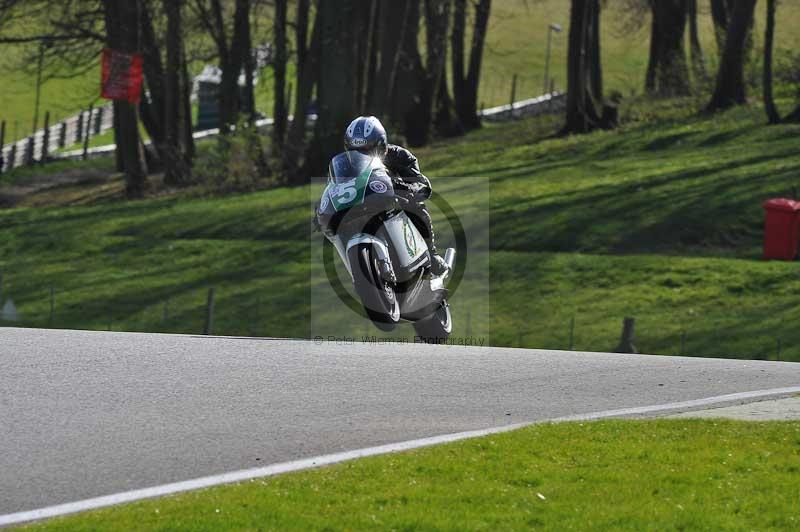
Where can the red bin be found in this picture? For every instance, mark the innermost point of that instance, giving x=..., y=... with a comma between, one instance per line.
x=782, y=229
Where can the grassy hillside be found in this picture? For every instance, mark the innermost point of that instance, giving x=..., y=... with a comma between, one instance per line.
x=660, y=220
x=516, y=44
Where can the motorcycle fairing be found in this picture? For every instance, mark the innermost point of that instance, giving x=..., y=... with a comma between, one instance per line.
x=349, y=175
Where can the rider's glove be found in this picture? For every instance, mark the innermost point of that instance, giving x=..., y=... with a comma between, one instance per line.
x=424, y=193
x=421, y=192
x=417, y=192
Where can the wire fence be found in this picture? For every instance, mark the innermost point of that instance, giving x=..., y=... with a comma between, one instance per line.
x=45, y=142
x=223, y=311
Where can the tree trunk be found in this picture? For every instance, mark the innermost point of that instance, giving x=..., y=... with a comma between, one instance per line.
x=248, y=104
x=119, y=164
x=668, y=73
x=652, y=63
x=231, y=60
x=437, y=17
x=151, y=108
x=582, y=114
x=465, y=87
x=446, y=121
x=188, y=128
x=122, y=34
x=720, y=15
x=370, y=67
x=594, y=65
x=409, y=82
x=394, y=20
x=730, y=86
x=176, y=169
x=307, y=72
x=698, y=59
x=365, y=19
x=336, y=101
x=457, y=52
x=769, y=103
x=280, y=113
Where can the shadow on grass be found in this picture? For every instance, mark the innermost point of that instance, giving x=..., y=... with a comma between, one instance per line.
x=691, y=207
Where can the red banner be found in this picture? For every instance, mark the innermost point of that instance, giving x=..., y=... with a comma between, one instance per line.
x=122, y=76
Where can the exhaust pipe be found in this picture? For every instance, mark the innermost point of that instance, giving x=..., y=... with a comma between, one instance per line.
x=439, y=283
x=450, y=257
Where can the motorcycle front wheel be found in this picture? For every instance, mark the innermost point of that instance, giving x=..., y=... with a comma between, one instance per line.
x=376, y=294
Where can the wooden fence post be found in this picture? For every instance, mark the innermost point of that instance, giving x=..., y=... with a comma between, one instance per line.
x=79, y=129
x=2, y=144
x=62, y=135
x=45, y=139
x=29, y=147
x=513, y=94
x=88, y=133
x=209, y=313
x=626, y=340
x=12, y=157
x=98, y=120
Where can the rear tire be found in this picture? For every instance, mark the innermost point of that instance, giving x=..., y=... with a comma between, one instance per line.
x=436, y=328
x=376, y=294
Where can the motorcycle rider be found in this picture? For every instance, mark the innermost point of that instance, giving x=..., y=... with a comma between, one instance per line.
x=367, y=135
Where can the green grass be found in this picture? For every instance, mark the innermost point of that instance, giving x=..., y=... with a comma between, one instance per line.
x=56, y=167
x=62, y=97
x=660, y=220
x=621, y=475
x=516, y=44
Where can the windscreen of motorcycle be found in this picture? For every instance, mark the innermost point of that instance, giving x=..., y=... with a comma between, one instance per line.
x=349, y=173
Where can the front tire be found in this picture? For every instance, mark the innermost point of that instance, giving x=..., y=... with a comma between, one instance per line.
x=376, y=294
x=436, y=328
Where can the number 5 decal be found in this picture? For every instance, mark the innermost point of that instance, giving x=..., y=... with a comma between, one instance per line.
x=346, y=192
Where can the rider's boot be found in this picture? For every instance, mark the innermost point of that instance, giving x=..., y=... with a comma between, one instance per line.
x=438, y=265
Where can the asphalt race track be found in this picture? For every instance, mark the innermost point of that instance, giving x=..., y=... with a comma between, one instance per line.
x=86, y=414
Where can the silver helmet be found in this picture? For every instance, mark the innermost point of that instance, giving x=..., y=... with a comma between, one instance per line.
x=367, y=135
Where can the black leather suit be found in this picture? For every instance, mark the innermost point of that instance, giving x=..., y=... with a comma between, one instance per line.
x=403, y=166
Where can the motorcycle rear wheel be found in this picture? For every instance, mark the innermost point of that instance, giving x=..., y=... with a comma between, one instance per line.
x=436, y=328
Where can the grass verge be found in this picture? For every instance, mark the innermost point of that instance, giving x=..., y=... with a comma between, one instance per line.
x=622, y=475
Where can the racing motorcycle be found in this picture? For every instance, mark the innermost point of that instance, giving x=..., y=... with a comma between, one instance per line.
x=361, y=213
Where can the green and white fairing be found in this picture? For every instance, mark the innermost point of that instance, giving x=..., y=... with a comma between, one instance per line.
x=345, y=191
x=356, y=179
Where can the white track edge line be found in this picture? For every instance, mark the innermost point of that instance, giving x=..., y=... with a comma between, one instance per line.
x=328, y=459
